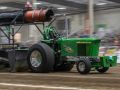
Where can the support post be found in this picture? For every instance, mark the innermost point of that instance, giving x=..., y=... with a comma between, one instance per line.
x=66, y=26
x=13, y=36
x=91, y=16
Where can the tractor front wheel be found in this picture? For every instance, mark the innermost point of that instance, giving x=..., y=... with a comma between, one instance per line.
x=84, y=66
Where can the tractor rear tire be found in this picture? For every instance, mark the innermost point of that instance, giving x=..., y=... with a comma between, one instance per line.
x=84, y=66
x=102, y=70
x=40, y=58
x=64, y=67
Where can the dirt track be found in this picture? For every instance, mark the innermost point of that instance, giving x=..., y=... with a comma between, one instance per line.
x=61, y=81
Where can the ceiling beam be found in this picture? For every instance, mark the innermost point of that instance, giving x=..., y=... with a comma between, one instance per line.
x=66, y=3
x=116, y=1
x=12, y=4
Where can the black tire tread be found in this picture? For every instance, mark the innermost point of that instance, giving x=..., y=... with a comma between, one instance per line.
x=103, y=70
x=87, y=66
x=48, y=58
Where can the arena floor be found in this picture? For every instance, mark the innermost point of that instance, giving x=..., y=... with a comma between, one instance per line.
x=61, y=80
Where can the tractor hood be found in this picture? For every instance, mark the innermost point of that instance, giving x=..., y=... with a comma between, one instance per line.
x=79, y=46
x=79, y=40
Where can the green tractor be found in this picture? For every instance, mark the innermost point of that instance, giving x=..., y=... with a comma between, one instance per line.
x=54, y=52
x=57, y=53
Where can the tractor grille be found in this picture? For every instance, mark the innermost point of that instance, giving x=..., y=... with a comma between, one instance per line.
x=82, y=49
x=88, y=49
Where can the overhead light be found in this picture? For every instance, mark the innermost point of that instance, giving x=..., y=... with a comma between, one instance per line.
x=57, y=14
x=100, y=4
x=3, y=7
x=37, y=3
x=61, y=8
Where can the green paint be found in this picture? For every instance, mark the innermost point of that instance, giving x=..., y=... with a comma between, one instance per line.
x=76, y=47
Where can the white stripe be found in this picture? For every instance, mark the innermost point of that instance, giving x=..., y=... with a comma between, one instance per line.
x=42, y=86
x=63, y=76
